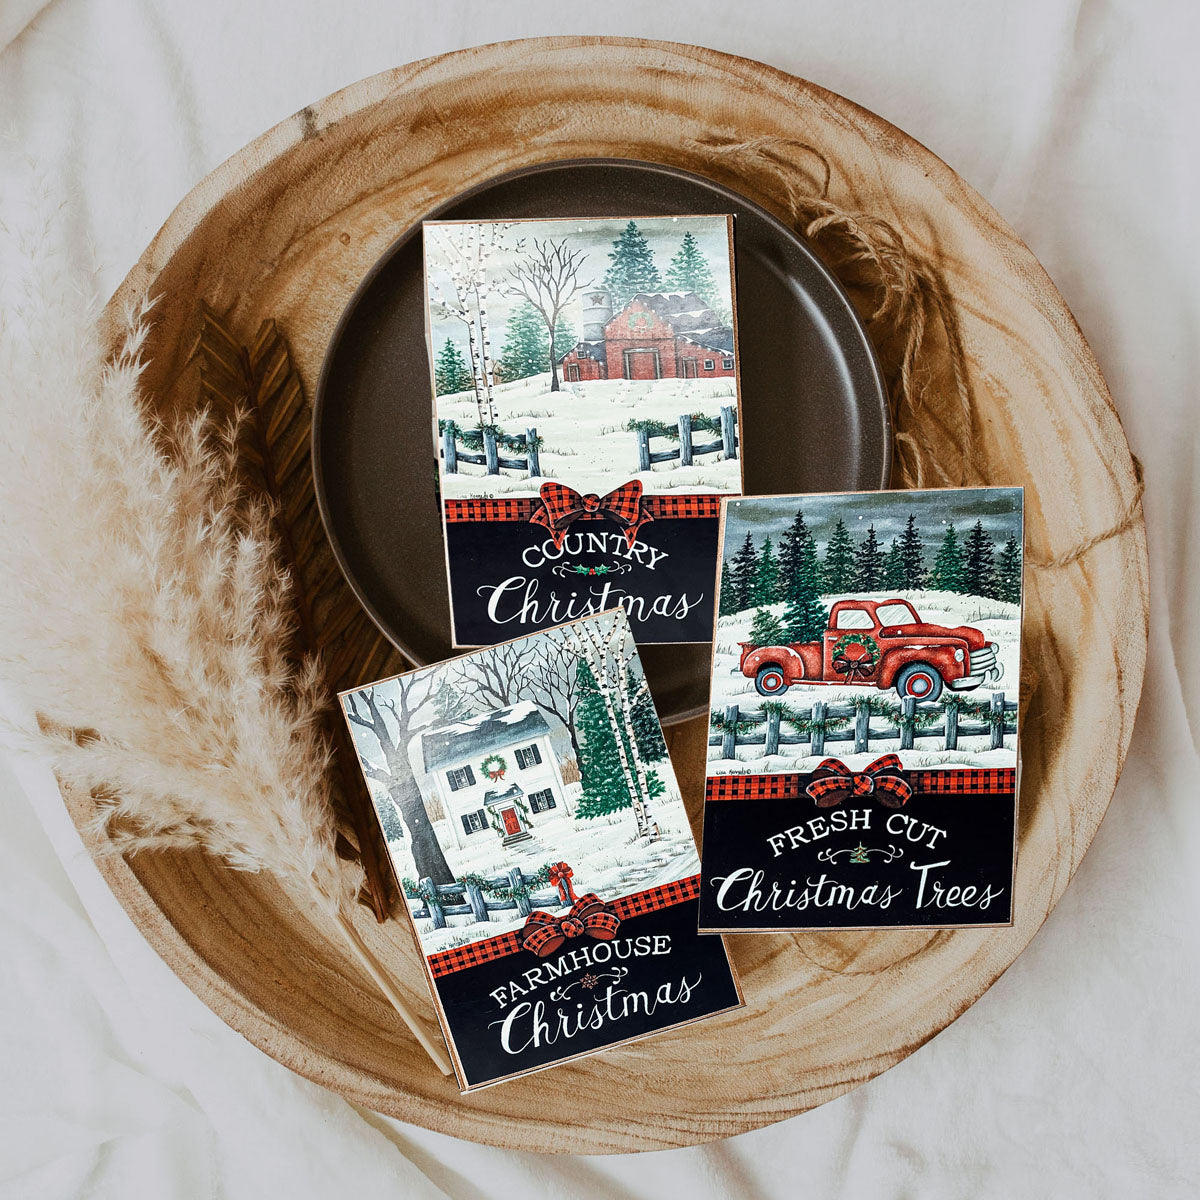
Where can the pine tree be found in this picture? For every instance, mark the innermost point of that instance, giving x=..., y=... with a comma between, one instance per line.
x=979, y=570
x=564, y=339
x=767, y=629
x=450, y=371
x=805, y=618
x=745, y=575
x=646, y=730
x=766, y=586
x=526, y=345
x=837, y=574
x=1009, y=571
x=893, y=567
x=727, y=603
x=947, y=573
x=604, y=786
x=632, y=268
x=912, y=555
x=868, y=563
x=389, y=818
x=689, y=271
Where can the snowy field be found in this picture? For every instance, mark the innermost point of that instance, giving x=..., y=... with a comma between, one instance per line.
x=605, y=853
x=998, y=621
x=585, y=442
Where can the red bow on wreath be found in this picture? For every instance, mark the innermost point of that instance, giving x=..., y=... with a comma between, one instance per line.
x=589, y=916
x=562, y=506
x=560, y=878
x=833, y=782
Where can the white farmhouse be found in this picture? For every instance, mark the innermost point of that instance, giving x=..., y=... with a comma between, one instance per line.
x=496, y=775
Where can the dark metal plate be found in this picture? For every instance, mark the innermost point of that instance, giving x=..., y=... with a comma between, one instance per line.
x=813, y=407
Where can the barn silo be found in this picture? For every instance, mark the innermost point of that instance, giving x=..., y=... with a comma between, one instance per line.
x=597, y=312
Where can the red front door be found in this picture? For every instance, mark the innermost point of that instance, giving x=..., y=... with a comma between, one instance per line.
x=511, y=823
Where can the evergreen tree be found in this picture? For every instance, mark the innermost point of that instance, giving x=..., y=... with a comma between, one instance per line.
x=450, y=371
x=979, y=570
x=646, y=730
x=947, y=573
x=564, y=339
x=727, y=603
x=805, y=618
x=745, y=575
x=912, y=555
x=632, y=268
x=767, y=629
x=868, y=564
x=689, y=271
x=604, y=786
x=893, y=567
x=389, y=818
x=1008, y=569
x=526, y=345
x=837, y=575
x=766, y=586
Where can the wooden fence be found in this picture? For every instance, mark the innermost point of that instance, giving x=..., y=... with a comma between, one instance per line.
x=478, y=905
x=822, y=723
x=687, y=449
x=453, y=454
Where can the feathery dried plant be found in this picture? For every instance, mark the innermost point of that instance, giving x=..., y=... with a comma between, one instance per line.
x=145, y=619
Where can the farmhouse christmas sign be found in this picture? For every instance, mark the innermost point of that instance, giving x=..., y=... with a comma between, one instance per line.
x=862, y=752
x=585, y=379
x=544, y=853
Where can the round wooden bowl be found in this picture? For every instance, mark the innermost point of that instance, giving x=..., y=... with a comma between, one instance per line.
x=287, y=229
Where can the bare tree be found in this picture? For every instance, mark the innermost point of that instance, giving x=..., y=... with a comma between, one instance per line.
x=366, y=711
x=548, y=278
x=496, y=677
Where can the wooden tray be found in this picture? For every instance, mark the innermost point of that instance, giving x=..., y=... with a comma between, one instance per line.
x=287, y=229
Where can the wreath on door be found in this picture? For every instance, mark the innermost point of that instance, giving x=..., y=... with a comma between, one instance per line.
x=855, y=655
x=494, y=766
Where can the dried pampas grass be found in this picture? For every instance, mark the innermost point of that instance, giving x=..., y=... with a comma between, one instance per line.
x=144, y=617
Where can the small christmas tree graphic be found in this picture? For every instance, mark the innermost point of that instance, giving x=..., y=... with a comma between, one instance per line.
x=859, y=854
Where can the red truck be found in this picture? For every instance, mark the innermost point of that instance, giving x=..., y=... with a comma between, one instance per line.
x=878, y=643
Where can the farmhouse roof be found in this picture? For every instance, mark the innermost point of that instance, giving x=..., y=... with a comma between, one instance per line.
x=719, y=338
x=491, y=731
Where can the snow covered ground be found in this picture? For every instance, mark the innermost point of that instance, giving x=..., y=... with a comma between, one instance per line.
x=585, y=442
x=999, y=622
x=605, y=853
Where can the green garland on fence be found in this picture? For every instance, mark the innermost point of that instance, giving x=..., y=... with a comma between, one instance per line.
x=743, y=724
x=497, y=891
x=656, y=428
x=981, y=710
x=472, y=439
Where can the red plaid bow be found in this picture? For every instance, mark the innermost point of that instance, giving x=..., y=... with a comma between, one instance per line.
x=562, y=506
x=833, y=782
x=543, y=934
x=560, y=878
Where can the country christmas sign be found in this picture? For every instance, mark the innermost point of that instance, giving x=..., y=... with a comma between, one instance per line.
x=862, y=751
x=585, y=379
x=542, y=847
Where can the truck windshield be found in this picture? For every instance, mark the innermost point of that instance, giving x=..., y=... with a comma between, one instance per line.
x=896, y=614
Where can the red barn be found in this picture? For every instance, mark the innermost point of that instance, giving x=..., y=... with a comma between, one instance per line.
x=655, y=336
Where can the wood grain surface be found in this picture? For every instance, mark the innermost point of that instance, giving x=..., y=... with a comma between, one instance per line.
x=287, y=229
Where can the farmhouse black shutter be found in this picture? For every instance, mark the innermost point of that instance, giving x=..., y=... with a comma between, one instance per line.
x=466, y=820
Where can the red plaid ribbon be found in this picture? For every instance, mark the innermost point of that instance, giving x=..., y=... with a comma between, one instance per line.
x=833, y=782
x=786, y=785
x=543, y=933
x=474, y=954
x=562, y=506
x=560, y=878
x=521, y=508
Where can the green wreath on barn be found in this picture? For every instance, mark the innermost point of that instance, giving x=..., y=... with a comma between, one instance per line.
x=493, y=766
x=855, y=667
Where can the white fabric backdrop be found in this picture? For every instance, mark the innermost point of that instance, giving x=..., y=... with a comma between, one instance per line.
x=1076, y=1074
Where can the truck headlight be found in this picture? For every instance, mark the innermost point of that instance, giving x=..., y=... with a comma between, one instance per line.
x=958, y=655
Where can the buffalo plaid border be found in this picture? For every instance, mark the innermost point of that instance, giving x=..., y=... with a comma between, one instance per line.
x=969, y=781
x=445, y=962
x=522, y=508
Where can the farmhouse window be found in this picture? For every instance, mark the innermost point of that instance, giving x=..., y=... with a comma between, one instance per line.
x=727, y=364
x=528, y=756
x=542, y=801
x=475, y=822
x=708, y=364
x=461, y=777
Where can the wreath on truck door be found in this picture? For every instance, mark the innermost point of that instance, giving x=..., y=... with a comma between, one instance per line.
x=494, y=766
x=855, y=655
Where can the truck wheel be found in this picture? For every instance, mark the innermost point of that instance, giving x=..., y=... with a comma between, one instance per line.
x=920, y=681
x=770, y=681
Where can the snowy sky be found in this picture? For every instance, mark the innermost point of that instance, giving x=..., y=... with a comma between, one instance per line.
x=664, y=235
x=998, y=508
